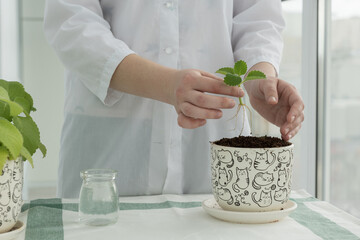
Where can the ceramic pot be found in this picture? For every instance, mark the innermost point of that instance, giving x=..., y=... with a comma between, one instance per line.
x=11, y=183
x=251, y=179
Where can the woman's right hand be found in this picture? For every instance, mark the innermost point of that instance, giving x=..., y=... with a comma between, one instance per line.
x=188, y=93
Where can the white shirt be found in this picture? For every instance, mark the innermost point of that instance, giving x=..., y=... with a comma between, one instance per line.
x=136, y=136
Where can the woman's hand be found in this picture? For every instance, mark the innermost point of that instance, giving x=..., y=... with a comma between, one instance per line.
x=191, y=102
x=278, y=102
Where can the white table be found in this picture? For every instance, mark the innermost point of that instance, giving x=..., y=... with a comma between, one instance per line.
x=182, y=217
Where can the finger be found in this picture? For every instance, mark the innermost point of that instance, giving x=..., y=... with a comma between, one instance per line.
x=292, y=133
x=288, y=127
x=206, y=84
x=269, y=88
x=297, y=108
x=206, y=74
x=209, y=101
x=190, y=123
x=190, y=110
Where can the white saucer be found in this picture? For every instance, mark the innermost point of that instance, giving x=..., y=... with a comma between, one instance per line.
x=14, y=232
x=212, y=208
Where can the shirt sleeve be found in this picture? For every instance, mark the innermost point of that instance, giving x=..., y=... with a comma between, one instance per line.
x=85, y=44
x=256, y=34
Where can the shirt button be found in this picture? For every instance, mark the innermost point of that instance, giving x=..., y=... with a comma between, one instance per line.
x=168, y=50
x=169, y=5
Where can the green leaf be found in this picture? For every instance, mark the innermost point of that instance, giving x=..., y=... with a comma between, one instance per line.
x=225, y=70
x=15, y=89
x=4, y=94
x=10, y=137
x=15, y=109
x=24, y=103
x=255, y=75
x=232, y=79
x=4, y=84
x=240, y=67
x=30, y=100
x=4, y=156
x=5, y=110
x=29, y=131
x=26, y=154
x=42, y=149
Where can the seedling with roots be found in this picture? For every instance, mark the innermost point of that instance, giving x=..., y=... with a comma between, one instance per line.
x=233, y=78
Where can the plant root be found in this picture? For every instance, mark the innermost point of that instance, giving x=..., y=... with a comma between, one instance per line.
x=245, y=107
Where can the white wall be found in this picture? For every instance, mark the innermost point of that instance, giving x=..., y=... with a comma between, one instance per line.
x=42, y=75
x=9, y=40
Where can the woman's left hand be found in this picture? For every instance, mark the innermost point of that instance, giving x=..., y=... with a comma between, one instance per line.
x=278, y=102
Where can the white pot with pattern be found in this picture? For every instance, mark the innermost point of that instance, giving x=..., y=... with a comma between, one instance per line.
x=251, y=179
x=11, y=183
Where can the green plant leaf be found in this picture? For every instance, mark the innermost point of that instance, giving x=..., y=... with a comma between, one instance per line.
x=15, y=109
x=15, y=89
x=24, y=103
x=255, y=75
x=10, y=137
x=4, y=156
x=232, y=79
x=26, y=154
x=28, y=97
x=225, y=70
x=4, y=94
x=42, y=149
x=240, y=67
x=4, y=84
x=29, y=131
x=5, y=110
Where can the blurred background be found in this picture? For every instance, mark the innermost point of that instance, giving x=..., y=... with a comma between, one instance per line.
x=321, y=58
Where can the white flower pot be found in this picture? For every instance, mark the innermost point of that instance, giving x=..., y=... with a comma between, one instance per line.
x=251, y=179
x=11, y=183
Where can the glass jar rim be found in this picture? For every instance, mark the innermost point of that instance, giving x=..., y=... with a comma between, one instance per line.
x=98, y=173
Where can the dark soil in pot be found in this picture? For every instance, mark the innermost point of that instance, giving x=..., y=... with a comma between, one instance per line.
x=253, y=142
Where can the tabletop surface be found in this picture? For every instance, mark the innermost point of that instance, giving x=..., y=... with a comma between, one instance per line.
x=182, y=217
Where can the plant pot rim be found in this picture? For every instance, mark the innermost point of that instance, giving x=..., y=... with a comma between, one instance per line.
x=263, y=148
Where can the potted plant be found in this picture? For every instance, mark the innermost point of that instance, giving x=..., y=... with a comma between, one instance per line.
x=250, y=173
x=19, y=140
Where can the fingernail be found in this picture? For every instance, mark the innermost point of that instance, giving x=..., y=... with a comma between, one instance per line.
x=232, y=103
x=292, y=119
x=219, y=114
x=290, y=136
x=272, y=99
x=286, y=130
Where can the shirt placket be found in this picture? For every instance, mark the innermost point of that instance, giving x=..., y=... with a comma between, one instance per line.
x=168, y=56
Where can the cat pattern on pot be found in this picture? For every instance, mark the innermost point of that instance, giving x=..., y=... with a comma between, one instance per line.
x=213, y=155
x=225, y=195
x=225, y=157
x=284, y=157
x=262, y=162
x=282, y=177
x=214, y=176
x=281, y=195
x=265, y=199
x=240, y=199
x=224, y=176
x=244, y=159
x=242, y=181
x=262, y=179
x=6, y=173
x=5, y=194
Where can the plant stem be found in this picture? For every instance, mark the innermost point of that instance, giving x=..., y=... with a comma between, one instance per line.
x=241, y=102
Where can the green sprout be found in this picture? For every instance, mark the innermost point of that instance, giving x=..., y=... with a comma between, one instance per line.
x=233, y=78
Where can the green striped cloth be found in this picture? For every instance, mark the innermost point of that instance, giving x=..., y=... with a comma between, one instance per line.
x=182, y=217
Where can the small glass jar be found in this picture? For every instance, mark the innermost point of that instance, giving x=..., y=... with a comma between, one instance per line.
x=98, y=200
